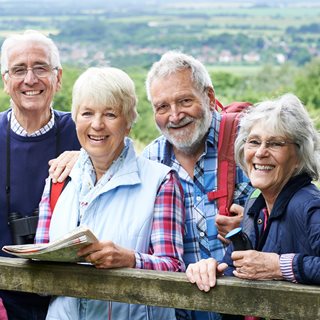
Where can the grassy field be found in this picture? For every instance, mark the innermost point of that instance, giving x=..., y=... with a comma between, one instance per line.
x=236, y=70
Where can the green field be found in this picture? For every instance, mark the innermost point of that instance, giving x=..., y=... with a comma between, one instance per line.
x=235, y=70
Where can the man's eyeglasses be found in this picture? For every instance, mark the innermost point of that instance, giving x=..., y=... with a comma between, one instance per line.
x=40, y=71
x=274, y=145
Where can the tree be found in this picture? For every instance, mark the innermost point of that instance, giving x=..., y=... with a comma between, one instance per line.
x=308, y=84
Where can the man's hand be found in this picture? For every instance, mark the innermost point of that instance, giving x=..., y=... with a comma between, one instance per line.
x=255, y=265
x=227, y=223
x=61, y=167
x=204, y=273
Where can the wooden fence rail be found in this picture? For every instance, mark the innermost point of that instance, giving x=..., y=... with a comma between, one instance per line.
x=270, y=299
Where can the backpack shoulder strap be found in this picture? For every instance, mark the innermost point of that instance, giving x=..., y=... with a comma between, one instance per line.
x=226, y=163
x=55, y=191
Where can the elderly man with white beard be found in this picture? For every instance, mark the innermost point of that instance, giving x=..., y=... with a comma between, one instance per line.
x=183, y=99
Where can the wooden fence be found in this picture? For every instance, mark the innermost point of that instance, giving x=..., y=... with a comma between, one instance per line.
x=269, y=299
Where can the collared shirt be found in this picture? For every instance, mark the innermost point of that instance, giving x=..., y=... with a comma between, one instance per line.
x=19, y=130
x=166, y=248
x=200, y=239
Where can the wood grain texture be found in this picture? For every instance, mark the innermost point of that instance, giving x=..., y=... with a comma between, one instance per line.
x=269, y=299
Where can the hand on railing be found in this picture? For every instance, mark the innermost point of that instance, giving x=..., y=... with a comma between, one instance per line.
x=204, y=273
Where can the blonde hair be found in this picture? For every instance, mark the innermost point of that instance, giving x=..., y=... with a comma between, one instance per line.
x=106, y=86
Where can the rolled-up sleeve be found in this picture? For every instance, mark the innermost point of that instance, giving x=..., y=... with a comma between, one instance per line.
x=45, y=214
x=166, y=245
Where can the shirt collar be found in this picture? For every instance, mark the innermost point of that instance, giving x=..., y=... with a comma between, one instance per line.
x=19, y=130
x=213, y=135
x=281, y=203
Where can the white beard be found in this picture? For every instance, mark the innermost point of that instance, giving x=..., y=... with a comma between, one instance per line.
x=188, y=141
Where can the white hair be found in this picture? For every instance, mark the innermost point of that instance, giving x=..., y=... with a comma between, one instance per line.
x=288, y=117
x=29, y=36
x=174, y=61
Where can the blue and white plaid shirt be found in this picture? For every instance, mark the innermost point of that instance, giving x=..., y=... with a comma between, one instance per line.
x=200, y=238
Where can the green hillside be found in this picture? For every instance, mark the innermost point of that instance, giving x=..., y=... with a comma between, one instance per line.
x=253, y=50
x=267, y=82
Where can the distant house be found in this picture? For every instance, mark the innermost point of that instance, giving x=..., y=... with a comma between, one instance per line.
x=251, y=57
x=78, y=53
x=281, y=58
x=225, y=56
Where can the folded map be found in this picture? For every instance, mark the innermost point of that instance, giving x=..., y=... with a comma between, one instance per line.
x=63, y=249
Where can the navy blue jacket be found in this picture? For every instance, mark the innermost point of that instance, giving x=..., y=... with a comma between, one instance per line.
x=293, y=227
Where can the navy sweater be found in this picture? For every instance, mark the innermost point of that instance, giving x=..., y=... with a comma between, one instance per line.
x=29, y=158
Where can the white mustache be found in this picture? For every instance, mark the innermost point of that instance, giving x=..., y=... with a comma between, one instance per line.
x=183, y=122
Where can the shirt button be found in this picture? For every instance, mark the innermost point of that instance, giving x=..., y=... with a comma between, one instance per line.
x=259, y=221
x=201, y=234
x=198, y=198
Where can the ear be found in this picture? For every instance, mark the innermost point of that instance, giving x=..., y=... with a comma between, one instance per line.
x=298, y=164
x=212, y=98
x=59, y=79
x=128, y=131
x=5, y=81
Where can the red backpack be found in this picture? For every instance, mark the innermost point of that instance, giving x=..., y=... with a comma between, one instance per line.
x=226, y=162
x=55, y=191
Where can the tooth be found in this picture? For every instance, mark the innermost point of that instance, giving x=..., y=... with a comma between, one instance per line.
x=97, y=138
x=32, y=93
x=263, y=167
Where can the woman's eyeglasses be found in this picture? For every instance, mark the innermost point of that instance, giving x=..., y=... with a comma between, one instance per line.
x=274, y=145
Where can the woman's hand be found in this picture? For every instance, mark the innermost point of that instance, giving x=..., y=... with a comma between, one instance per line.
x=204, y=273
x=255, y=265
x=61, y=167
x=106, y=254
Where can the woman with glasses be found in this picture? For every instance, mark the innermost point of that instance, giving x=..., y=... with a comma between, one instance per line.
x=279, y=149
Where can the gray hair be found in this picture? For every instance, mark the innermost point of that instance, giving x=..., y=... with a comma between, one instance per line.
x=174, y=61
x=285, y=116
x=29, y=36
x=106, y=87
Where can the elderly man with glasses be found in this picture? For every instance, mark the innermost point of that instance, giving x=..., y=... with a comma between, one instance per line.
x=31, y=133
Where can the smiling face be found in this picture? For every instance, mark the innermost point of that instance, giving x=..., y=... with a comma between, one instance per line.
x=182, y=114
x=101, y=131
x=269, y=169
x=31, y=93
